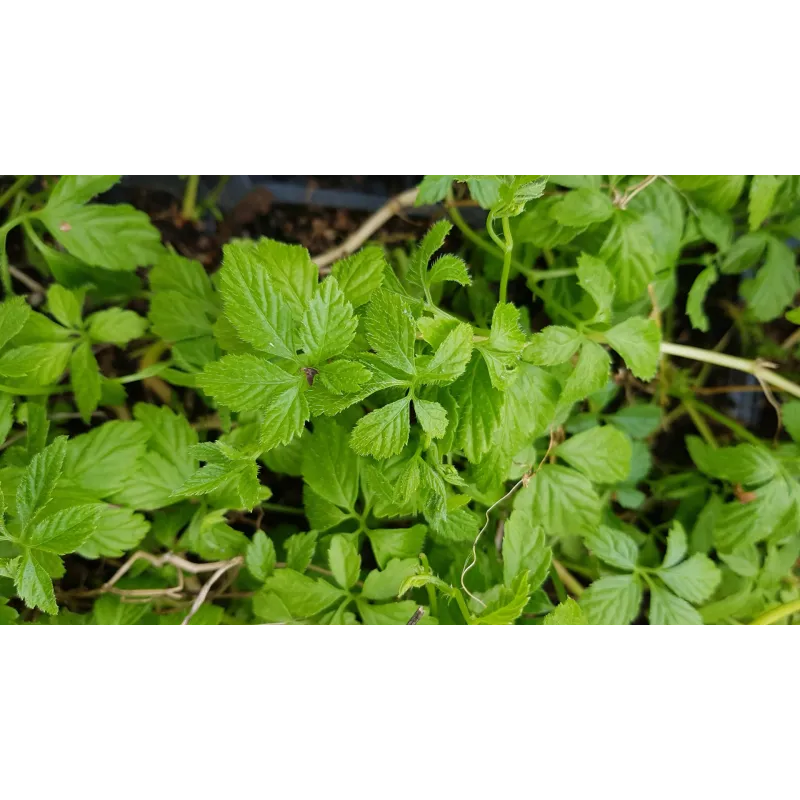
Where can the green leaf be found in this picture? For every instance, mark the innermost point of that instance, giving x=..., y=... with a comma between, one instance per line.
x=449, y=268
x=118, y=325
x=328, y=324
x=744, y=253
x=433, y=189
x=596, y=280
x=85, y=380
x=553, y=345
x=638, y=421
x=360, y=275
x=383, y=432
x=638, y=341
x=344, y=560
x=589, y=375
x=791, y=418
x=602, y=453
x=260, y=556
x=582, y=207
x=390, y=613
x=385, y=584
x=300, y=550
x=38, y=481
x=114, y=237
x=343, y=377
x=402, y=543
x=330, y=467
x=417, y=274
x=666, y=609
x=79, y=189
x=515, y=191
x=391, y=330
x=247, y=383
x=716, y=227
x=43, y=363
x=628, y=252
x=694, y=580
x=524, y=548
x=322, y=514
x=613, y=600
x=118, y=530
x=480, y=408
x=450, y=359
x=303, y=597
x=511, y=604
x=763, y=189
x=260, y=314
x=33, y=582
x=432, y=417
x=775, y=284
x=563, y=501
x=14, y=313
x=614, y=547
x=566, y=613
x=65, y=305
x=744, y=463
x=63, y=531
x=677, y=545
x=290, y=269
x=697, y=297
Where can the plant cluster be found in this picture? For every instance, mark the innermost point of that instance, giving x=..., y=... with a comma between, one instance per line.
x=515, y=425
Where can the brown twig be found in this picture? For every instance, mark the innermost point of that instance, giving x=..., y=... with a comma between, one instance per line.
x=623, y=201
x=377, y=220
x=198, y=601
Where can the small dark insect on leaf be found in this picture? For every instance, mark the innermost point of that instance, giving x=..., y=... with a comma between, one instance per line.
x=416, y=616
x=311, y=373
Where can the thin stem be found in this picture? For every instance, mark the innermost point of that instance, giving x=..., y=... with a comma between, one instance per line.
x=20, y=183
x=756, y=368
x=509, y=246
x=738, y=429
x=281, y=509
x=493, y=234
x=470, y=234
x=556, y=305
x=777, y=614
x=567, y=578
x=463, y=607
x=700, y=424
x=189, y=210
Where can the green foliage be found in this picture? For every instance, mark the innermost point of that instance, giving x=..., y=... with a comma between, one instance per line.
x=324, y=446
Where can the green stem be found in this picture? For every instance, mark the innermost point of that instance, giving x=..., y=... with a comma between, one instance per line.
x=777, y=614
x=556, y=305
x=470, y=234
x=462, y=605
x=509, y=247
x=297, y=512
x=5, y=273
x=433, y=600
x=755, y=368
x=493, y=235
x=700, y=424
x=190, y=197
x=738, y=429
x=20, y=183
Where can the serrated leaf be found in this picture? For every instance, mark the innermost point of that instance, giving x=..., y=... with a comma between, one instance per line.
x=117, y=531
x=64, y=305
x=433, y=240
x=85, y=380
x=791, y=418
x=666, y=609
x=744, y=253
x=118, y=325
x=697, y=296
x=511, y=605
x=344, y=560
x=330, y=467
x=432, y=417
x=563, y=501
x=506, y=342
x=677, y=545
x=303, y=597
x=589, y=375
x=391, y=330
x=402, y=543
x=638, y=421
x=247, y=383
x=383, y=432
x=260, y=556
x=525, y=548
x=638, y=341
x=343, y=377
x=614, y=600
x=433, y=189
x=300, y=550
x=744, y=463
x=42, y=363
x=260, y=314
x=763, y=189
x=628, y=252
x=449, y=268
x=614, y=547
x=597, y=281
x=385, y=584
x=480, y=408
x=566, y=613
x=63, y=531
x=328, y=324
x=716, y=226
x=38, y=481
x=113, y=237
x=775, y=284
x=79, y=189
x=603, y=454
x=361, y=274
x=694, y=580
x=450, y=359
x=33, y=582
x=14, y=313
x=582, y=207
x=554, y=344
